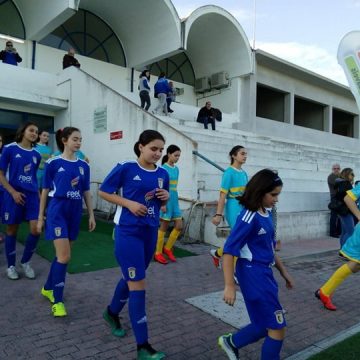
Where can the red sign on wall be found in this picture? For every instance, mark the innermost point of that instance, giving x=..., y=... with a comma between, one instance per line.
x=116, y=135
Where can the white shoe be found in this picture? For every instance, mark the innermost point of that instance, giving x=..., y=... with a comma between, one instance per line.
x=28, y=270
x=11, y=273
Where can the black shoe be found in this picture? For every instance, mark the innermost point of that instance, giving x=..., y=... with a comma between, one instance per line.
x=170, y=110
x=147, y=352
x=114, y=322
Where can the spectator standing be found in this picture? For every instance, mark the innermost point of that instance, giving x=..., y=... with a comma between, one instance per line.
x=161, y=89
x=334, y=221
x=10, y=55
x=144, y=89
x=207, y=115
x=171, y=96
x=70, y=60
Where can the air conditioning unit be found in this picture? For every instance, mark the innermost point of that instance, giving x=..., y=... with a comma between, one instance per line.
x=202, y=84
x=220, y=80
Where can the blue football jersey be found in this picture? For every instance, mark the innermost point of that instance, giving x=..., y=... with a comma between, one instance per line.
x=20, y=166
x=138, y=184
x=252, y=237
x=66, y=178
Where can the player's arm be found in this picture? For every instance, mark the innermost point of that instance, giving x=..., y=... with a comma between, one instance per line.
x=283, y=272
x=351, y=204
x=18, y=197
x=136, y=208
x=228, y=269
x=42, y=207
x=216, y=220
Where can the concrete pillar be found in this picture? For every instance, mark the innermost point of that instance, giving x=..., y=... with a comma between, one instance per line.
x=356, y=127
x=328, y=118
x=289, y=109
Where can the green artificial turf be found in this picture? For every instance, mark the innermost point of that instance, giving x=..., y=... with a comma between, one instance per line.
x=348, y=349
x=91, y=251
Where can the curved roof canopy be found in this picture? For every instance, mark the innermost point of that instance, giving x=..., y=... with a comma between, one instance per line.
x=215, y=41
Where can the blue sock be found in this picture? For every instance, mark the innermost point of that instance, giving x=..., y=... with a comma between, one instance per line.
x=271, y=349
x=247, y=335
x=138, y=316
x=49, y=282
x=10, y=249
x=59, y=274
x=30, y=247
x=120, y=297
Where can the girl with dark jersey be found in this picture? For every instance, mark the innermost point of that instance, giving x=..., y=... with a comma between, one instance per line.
x=252, y=241
x=66, y=182
x=138, y=188
x=19, y=162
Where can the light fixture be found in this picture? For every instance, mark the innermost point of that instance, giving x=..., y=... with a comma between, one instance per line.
x=14, y=39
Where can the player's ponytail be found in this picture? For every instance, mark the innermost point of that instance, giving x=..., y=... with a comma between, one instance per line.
x=146, y=137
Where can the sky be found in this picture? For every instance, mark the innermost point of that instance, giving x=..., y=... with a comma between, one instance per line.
x=304, y=32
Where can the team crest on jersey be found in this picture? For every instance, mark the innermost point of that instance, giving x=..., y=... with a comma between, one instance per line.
x=6, y=216
x=279, y=316
x=58, y=231
x=132, y=272
x=27, y=168
x=160, y=183
x=81, y=170
x=34, y=160
x=75, y=181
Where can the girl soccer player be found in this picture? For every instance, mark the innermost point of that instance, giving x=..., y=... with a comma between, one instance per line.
x=21, y=196
x=45, y=152
x=350, y=251
x=233, y=185
x=2, y=236
x=67, y=182
x=252, y=241
x=170, y=211
x=144, y=189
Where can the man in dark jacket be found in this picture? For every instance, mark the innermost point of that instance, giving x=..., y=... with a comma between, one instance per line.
x=335, y=227
x=207, y=115
x=10, y=55
x=69, y=59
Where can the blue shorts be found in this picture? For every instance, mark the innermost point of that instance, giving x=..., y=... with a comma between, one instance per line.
x=232, y=210
x=173, y=211
x=63, y=217
x=134, y=249
x=260, y=292
x=13, y=213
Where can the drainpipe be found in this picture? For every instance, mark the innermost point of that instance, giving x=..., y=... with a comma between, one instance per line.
x=33, y=55
x=132, y=80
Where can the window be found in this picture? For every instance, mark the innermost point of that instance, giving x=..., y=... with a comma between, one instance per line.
x=10, y=20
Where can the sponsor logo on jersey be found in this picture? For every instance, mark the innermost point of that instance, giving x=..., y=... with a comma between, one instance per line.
x=75, y=181
x=262, y=231
x=137, y=178
x=74, y=195
x=143, y=320
x=25, y=179
x=58, y=231
x=81, y=170
x=132, y=272
x=17, y=156
x=150, y=195
x=6, y=216
x=61, y=169
x=279, y=316
x=27, y=168
x=35, y=160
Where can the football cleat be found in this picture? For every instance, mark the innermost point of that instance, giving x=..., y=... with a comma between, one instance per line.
x=169, y=254
x=326, y=300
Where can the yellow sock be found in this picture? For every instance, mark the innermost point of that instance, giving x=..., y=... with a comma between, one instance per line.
x=172, y=238
x=220, y=251
x=160, y=242
x=336, y=280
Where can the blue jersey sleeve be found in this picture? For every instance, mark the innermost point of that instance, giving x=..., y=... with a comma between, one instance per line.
x=240, y=233
x=5, y=159
x=48, y=178
x=226, y=181
x=113, y=182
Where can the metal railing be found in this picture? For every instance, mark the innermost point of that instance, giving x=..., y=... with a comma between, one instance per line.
x=195, y=152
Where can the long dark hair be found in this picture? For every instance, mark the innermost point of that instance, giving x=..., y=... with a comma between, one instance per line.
x=2, y=146
x=64, y=134
x=21, y=131
x=263, y=182
x=146, y=137
x=39, y=133
x=170, y=150
x=234, y=151
x=143, y=73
